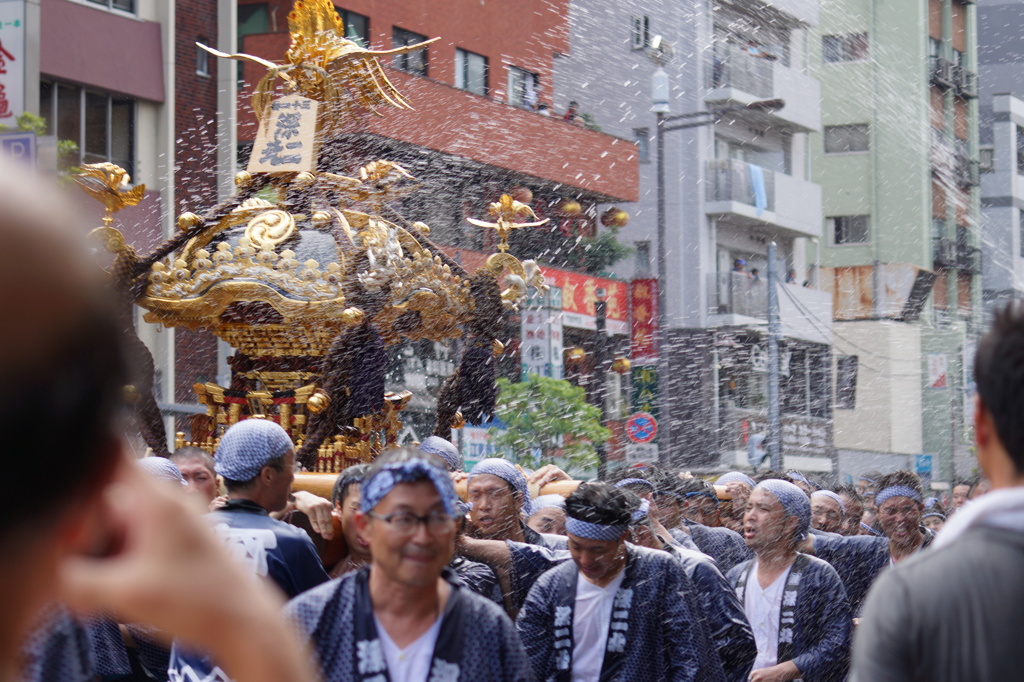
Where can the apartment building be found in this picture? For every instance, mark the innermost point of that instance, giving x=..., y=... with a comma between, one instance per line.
x=737, y=180
x=897, y=162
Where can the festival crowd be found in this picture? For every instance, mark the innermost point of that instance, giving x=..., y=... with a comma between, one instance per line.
x=203, y=568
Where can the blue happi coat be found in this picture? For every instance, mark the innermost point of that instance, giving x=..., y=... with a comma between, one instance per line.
x=815, y=624
x=725, y=546
x=655, y=632
x=858, y=559
x=477, y=641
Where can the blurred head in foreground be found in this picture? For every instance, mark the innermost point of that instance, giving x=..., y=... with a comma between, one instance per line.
x=64, y=376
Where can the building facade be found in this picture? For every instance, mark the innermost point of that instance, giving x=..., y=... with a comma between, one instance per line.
x=897, y=161
x=733, y=184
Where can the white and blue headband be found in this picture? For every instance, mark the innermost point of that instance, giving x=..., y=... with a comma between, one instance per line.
x=832, y=496
x=896, y=491
x=594, y=531
x=384, y=481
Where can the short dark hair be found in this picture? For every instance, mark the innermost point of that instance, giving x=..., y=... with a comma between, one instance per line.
x=999, y=376
x=232, y=485
x=353, y=475
x=850, y=491
x=903, y=477
x=399, y=455
x=771, y=474
x=192, y=452
x=599, y=502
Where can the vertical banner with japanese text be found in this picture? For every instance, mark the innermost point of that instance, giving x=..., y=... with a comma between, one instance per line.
x=541, y=343
x=12, y=60
x=643, y=307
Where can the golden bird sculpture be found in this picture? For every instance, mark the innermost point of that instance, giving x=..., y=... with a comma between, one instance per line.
x=109, y=184
x=322, y=64
x=506, y=211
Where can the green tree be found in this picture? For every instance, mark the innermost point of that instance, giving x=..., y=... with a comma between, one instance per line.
x=550, y=415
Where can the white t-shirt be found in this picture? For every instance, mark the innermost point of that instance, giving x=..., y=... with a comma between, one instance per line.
x=763, y=608
x=591, y=619
x=411, y=664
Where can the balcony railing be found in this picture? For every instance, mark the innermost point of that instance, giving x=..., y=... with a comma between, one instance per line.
x=733, y=66
x=944, y=252
x=738, y=293
x=941, y=71
x=967, y=171
x=732, y=180
x=968, y=259
x=966, y=82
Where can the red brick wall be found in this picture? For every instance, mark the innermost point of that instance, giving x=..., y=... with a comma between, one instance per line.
x=196, y=160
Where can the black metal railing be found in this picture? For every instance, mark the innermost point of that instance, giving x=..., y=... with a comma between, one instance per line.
x=944, y=252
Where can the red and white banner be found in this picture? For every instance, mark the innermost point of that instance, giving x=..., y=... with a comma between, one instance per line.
x=643, y=306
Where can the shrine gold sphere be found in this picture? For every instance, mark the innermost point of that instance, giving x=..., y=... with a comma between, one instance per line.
x=497, y=348
x=187, y=220
x=352, y=316
x=243, y=178
x=318, y=402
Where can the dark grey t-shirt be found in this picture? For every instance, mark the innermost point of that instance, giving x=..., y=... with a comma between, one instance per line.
x=952, y=614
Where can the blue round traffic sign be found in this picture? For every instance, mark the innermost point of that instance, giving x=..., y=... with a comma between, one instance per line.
x=641, y=427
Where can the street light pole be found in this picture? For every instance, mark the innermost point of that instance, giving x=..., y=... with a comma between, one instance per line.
x=601, y=375
x=660, y=97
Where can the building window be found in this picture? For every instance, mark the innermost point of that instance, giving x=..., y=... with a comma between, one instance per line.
x=846, y=139
x=848, y=47
x=252, y=19
x=471, y=71
x=202, y=58
x=643, y=259
x=1020, y=149
x=1020, y=224
x=986, y=159
x=848, y=229
x=356, y=26
x=413, y=62
x=641, y=35
x=522, y=88
x=846, y=382
x=123, y=5
x=102, y=125
x=643, y=144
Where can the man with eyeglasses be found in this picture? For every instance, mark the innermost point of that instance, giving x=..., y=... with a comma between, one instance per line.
x=256, y=459
x=406, y=617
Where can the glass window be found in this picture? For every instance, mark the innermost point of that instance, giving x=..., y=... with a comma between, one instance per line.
x=641, y=35
x=849, y=47
x=1020, y=149
x=414, y=62
x=101, y=125
x=202, y=58
x=357, y=27
x=123, y=5
x=643, y=259
x=470, y=71
x=849, y=229
x=522, y=88
x=846, y=382
x=643, y=144
x=845, y=139
x=253, y=18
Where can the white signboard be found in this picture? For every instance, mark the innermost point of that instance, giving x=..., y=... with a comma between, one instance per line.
x=641, y=452
x=12, y=61
x=287, y=141
x=540, y=348
x=938, y=370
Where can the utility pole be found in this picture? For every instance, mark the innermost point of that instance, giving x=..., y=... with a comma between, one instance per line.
x=774, y=438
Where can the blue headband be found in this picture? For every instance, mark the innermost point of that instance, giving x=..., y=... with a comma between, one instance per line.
x=735, y=477
x=544, y=501
x=870, y=529
x=247, y=446
x=797, y=476
x=162, y=469
x=506, y=471
x=445, y=449
x=896, y=491
x=594, y=531
x=641, y=513
x=384, y=481
x=711, y=494
x=832, y=496
x=793, y=500
x=934, y=513
x=635, y=481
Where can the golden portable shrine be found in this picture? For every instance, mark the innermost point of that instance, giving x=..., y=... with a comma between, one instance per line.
x=304, y=277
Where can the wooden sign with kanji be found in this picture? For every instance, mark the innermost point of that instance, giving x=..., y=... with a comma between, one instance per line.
x=287, y=141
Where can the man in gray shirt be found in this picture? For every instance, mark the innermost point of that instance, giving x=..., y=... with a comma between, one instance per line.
x=953, y=613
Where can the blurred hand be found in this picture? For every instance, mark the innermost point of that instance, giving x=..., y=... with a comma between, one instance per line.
x=318, y=510
x=546, y=474
x=218, y=502
x=168, y=570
